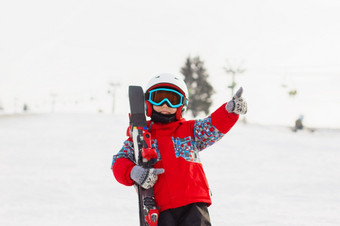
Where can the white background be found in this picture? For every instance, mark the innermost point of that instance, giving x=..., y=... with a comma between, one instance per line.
x=75, y=48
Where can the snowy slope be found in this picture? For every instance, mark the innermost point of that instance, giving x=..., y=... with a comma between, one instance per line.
x=55, y=170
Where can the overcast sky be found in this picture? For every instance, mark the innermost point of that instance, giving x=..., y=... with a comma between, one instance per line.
x=72, y=47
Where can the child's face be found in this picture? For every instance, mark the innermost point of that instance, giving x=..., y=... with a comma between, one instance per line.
x=164, y=109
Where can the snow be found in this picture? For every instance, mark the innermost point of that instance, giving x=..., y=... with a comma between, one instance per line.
x=55, y=170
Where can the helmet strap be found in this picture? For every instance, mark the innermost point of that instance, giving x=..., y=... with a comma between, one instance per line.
x=179, y=112
x=149, y=109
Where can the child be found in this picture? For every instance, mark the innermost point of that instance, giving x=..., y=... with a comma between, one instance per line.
x=180, y=185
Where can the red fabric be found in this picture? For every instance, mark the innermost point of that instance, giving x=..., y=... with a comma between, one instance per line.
x=183, y=181
x=223, y=120
x=122, y=169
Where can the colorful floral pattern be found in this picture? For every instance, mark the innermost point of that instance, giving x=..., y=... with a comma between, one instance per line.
x=155, y=146
x=185, y=148
x=205, y=133
x=125, y=152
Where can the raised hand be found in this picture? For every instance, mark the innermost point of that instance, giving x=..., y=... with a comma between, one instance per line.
x=237, y=105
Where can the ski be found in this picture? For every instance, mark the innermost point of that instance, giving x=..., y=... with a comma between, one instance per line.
x=145, y=155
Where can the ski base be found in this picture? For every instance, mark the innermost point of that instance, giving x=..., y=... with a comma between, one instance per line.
x=145, y=155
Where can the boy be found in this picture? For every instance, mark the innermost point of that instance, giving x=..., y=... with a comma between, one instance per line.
x=180, y=185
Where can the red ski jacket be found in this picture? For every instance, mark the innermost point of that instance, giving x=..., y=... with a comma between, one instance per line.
x=178, y=145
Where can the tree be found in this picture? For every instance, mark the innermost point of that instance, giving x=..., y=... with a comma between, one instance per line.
x=200, y=90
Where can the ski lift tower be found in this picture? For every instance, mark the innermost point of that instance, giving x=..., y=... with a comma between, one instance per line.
x=53, y=96
x=113, y=86
x=234, y=70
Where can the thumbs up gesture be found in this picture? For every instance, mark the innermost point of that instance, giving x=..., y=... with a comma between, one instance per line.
x=237, y=105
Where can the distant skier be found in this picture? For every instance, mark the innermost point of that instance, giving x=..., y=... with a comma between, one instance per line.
x=180, y=185
x=298, y=124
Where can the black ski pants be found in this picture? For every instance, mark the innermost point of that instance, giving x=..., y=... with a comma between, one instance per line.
x=195, y=214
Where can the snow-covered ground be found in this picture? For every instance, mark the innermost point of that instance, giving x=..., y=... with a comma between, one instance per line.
x=55, y=170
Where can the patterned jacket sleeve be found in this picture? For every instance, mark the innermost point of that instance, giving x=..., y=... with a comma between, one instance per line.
x=211, y=129
x=123, y=162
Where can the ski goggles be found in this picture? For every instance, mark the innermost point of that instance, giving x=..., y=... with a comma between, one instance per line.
x=170, y=97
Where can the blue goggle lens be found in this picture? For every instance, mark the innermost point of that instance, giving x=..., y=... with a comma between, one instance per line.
x=170, y=97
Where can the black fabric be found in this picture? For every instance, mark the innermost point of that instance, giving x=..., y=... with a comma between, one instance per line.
x=195, y=214
x=158, y=117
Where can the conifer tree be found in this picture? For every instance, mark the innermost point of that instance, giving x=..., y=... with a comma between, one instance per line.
x=200, y=90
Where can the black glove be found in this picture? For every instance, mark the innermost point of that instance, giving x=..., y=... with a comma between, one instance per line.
x=237, y=105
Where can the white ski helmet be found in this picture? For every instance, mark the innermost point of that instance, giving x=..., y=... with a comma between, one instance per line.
x=170, y=81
